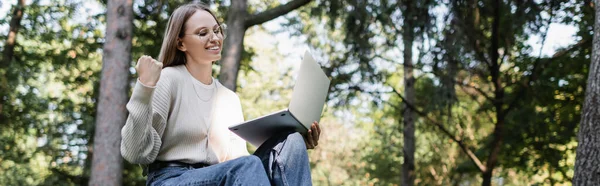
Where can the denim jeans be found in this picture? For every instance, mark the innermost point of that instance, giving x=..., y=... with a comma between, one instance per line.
x=281, y=160
x=285, y=159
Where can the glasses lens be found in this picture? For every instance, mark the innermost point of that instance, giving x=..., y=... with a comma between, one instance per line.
x=220, y=32
x=223, y=29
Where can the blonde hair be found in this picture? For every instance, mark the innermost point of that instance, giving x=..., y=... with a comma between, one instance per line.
x=169, y=54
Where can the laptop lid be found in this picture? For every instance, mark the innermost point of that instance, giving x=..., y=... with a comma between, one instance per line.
x=310, y=92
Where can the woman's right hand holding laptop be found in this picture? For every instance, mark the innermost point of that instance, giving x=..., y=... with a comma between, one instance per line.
x=312, y=138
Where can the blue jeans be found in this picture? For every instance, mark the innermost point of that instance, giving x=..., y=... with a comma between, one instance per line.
x=281, y=160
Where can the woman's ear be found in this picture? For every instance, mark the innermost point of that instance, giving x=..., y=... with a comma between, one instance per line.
x=180, y=45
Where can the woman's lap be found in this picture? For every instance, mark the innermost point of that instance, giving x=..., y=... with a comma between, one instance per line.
x=245, y=170
x=281, y=160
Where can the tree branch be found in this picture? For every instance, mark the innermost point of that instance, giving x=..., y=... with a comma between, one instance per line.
x=473, y=97
x=273, y=13
x=393, y=105
x=15, y=24
x=545, y=35
x=441, y=127
x=498, y=102
x=570, y=49
x=487, y=97
x=540, y=65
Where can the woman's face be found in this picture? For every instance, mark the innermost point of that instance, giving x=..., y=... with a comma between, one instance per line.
x=202, y=39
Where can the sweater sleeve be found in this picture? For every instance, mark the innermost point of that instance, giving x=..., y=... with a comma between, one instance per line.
x=148, y=112
x=238, y=147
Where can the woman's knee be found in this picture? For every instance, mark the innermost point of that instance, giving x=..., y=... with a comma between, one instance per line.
x=251, y=161
x=296, y=140
x=247, y=169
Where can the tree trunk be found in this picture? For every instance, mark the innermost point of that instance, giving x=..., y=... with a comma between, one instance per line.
x=234, y=44
x=107, y=163
x=587, y=161
x=238, y=21
x=408, y=168
x=487, y=178
x=498, y=102
x=9, y=48
x=15, y=24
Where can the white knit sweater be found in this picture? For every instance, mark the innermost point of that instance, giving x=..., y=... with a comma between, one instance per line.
x=171, y=121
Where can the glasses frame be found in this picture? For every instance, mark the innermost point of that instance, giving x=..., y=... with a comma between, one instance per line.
x=211, y=33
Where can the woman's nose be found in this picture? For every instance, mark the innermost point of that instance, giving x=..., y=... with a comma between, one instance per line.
x=214, y=37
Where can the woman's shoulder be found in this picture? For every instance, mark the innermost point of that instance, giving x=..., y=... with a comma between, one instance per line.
x=172, y=72
x=224, y=91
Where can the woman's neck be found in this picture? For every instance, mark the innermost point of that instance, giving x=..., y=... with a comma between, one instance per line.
x=202, y=72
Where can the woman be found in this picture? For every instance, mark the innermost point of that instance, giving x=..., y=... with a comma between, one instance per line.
x=179, y=114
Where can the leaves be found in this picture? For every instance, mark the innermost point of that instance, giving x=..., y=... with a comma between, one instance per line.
x=50, y=88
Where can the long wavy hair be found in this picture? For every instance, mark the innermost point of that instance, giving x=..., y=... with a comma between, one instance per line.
x=169, y=54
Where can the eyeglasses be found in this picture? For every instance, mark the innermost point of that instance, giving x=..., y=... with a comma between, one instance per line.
x=205, y=33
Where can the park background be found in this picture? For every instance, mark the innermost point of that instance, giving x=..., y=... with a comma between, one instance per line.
x=424, y=92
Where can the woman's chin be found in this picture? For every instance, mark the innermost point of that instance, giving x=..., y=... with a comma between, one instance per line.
x=209, y=56
x=216, y=58
x=213, y=55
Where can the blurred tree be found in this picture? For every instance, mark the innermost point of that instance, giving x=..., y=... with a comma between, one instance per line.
x=49, y=107
x=505, y=78
x=482, y=50
x=15, y=24
x=107, y=163
x=363, y=28
x=238, y=21
x=416, y=18
x=9, y=50
x=368, y=34
x=588, y=152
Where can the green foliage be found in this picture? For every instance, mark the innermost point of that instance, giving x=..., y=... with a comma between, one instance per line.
x=48, y=91
x=50, y=107
x=545, y=141
x=539, y=129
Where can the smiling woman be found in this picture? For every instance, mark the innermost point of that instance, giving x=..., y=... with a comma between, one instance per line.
x=189, y=21
x=179, y=114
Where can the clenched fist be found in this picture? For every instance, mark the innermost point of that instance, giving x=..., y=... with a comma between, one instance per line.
x=148, y=70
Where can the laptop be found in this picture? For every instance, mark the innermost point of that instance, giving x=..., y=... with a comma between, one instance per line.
x=306, y=106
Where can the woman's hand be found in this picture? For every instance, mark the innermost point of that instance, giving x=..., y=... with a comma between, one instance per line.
x=312, y=138
x=148, y=70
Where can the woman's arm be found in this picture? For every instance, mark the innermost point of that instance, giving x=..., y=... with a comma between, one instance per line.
x=238, y=146
x=148, y=112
